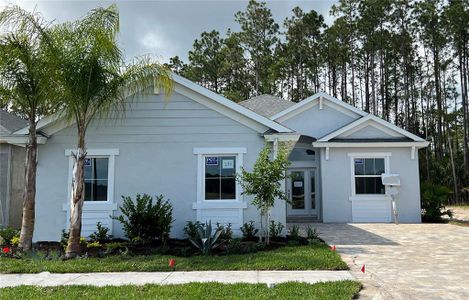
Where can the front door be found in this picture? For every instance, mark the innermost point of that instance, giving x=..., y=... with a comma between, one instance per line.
x=302, y=192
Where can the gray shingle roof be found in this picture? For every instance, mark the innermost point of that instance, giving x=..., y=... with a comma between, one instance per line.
x=10, y=123
x=266, y=105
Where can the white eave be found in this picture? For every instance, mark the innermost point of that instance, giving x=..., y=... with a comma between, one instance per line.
x=20, y=139
x=372, y=118
x=244, y=114
x=230, y=104
x=300, y=106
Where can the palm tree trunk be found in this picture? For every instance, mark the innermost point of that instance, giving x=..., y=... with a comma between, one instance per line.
x=29, y=196
x=77, y=198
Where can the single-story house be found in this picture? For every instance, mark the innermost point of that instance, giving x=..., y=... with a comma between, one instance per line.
x=191, y=147
x=12, y=159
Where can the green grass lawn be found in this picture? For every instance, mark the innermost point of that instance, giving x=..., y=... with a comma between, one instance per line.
x=291, y=290
x=310, y=257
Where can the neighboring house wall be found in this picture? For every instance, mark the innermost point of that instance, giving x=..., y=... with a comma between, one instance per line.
x=316, y=122
x=11, y=184
x=4, y=182
x=155, y=143
x=337, y=189
x=18, y=158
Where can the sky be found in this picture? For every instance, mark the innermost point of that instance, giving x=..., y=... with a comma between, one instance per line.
x=165, y=29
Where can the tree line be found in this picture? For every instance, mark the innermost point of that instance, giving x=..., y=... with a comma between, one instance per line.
x=404, y=61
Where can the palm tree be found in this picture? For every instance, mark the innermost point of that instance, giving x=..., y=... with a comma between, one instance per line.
x=27, y=87
x=96, y=83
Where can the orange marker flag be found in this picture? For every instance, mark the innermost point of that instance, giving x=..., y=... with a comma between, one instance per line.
x=363, y=268
x=333, y=248
x=172, y=263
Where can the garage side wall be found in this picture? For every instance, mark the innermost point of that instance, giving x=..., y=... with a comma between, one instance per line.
x=337, y=190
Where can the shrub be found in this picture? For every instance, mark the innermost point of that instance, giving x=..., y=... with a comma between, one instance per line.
x=295, y=232
x=94, y=244
x=249, y=231
x=312, y=234
x=275, y=229
x=101, y=234
x=15, y=241
x=226, y=232
x=64, y=239
x=434, y=198
x=205, y=241
x=144, y=220
x=191, y=229
x=7, y=234
x=116, y=248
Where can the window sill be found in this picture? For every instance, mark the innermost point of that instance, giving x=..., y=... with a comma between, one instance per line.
x=379, y=197
x=94, y=206
x=219, y=204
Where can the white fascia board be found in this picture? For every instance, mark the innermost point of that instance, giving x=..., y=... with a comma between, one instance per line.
x=230, y=104
x=369, y=144
x=292, y=137
x=20, y=139
x=373, y=118
x=290, y=111
x=266, y=122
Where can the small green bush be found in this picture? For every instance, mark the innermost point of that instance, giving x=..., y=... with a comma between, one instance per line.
x=144, y=220
x=434, y=197
x=101, y=234
x=312, y=234
x=249, y=231
x=191, y=229
x=275, y=229
x=295, y=232
x=7, y=234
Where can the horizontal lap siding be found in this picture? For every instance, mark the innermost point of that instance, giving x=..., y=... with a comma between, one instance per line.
x=155, y=141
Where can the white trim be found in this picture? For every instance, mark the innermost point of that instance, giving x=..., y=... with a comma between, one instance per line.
x=377, y=126
x=201, y=153
x=369, y=144
x=95, y=152
x=20, y=140
x=371, y=118
x=327, y=153
x=412, y=152
x=110, y=154
x=292, y=137
x=297, y=108
x=94, y=206
x=385, y=155
x=225, y=107
x=229, y=104
x=214, y=151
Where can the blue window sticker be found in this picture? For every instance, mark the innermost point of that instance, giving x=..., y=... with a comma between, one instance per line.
x=359, y=161
x=87, y=162
x=211, y=161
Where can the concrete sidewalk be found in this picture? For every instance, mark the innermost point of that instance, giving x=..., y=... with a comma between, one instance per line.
x=141, y=278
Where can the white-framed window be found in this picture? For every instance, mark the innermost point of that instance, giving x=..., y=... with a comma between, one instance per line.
x=99, y=174
x=366, y=170
x=216, y=174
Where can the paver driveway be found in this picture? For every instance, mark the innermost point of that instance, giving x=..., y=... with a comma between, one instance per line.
x=405, y=261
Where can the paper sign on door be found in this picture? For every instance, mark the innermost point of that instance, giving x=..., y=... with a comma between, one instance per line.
x=298, y=184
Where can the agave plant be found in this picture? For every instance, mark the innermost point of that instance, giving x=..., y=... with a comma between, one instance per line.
x=205, y=241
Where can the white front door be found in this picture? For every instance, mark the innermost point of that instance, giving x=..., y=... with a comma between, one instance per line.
x=302, y=189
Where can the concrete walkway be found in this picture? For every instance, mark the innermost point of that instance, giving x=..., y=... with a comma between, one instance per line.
x=405, y=261
x=141, y=278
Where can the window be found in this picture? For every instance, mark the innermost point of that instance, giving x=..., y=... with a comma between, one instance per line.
x=96, y=178
x=301, y=154
x=220, y=181
x=367, y=175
